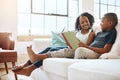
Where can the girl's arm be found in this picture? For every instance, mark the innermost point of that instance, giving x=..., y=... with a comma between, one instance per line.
x=90, y=38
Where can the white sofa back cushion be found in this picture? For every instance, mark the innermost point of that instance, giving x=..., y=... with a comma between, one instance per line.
x=115, y=51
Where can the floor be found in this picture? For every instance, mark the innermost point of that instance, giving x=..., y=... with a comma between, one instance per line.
x=10, y=76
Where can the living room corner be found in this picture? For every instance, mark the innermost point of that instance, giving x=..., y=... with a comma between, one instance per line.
x=31, y=22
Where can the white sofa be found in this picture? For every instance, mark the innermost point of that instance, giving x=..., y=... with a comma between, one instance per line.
x=81, y=69
x=69, y=69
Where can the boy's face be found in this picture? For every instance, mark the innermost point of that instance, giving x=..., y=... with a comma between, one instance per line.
x=106, y=25
x=84, y=23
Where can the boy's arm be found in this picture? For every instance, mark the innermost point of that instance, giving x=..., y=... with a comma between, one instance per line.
x=106, y=49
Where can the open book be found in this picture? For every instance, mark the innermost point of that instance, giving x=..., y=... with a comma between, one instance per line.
x=71, y=39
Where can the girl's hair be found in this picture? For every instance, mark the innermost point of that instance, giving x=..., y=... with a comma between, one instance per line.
x=90, y=18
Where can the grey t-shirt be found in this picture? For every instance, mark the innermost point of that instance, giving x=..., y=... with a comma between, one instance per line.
x=103, y=38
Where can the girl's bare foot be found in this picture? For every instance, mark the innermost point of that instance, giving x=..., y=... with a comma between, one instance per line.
x=18, y=67
x=26, y=70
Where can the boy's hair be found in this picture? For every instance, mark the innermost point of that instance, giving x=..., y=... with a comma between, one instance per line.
x=90, y=18
x=112, y=17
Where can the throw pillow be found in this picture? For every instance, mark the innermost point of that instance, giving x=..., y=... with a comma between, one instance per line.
x=57, y=40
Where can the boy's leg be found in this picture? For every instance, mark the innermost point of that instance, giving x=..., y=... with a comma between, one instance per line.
x=35, y=57
x=84, y=53
x=39, y=62
x=62, y=53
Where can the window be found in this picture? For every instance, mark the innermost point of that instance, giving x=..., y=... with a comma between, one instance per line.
x=50, y=7
x=40, y=17
x=103, y=6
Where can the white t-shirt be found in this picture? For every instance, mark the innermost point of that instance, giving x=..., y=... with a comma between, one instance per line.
x=83, y=37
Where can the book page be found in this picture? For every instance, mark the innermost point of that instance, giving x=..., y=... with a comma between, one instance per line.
x=71, y=40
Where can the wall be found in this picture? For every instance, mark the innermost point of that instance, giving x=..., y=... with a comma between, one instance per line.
x=88, y=6
x=8, y=16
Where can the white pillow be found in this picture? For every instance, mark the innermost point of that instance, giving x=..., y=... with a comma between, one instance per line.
x=96, y=29
x=115, y=51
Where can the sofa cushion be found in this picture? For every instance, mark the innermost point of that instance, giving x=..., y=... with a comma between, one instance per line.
x=115, y=51
x=39, y=74
x=95, y=70
x=58, y=66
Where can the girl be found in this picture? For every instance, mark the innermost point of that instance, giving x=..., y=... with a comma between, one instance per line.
x=83, y=26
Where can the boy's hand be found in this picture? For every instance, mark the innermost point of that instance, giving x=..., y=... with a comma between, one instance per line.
x=81, y=44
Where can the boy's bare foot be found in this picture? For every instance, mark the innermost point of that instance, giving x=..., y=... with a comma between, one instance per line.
x=35, y=57
x=25, y=71
x=31, y=54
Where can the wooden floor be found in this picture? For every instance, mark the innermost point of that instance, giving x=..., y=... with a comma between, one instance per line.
x=4, y=76
x=10, y=76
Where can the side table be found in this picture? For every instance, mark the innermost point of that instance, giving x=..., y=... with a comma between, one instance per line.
x=8, y=56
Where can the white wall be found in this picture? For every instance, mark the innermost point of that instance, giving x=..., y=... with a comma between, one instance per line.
x=88, y=6
x=8, y=16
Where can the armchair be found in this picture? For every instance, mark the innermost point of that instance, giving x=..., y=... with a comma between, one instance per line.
x=7, y=54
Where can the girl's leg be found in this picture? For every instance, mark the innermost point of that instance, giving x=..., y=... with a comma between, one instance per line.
x=28, y=63
x=38, y=63
x=45, y=51
x=52, y=49
x=26, y=70
x=22, y=66
x=58, y=48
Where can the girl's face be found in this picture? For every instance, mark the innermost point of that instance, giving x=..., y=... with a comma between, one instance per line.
x=84, y=23
x=105, y=24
